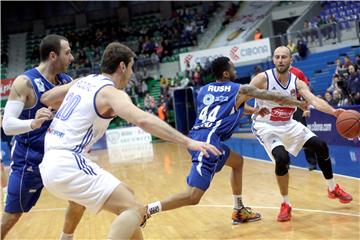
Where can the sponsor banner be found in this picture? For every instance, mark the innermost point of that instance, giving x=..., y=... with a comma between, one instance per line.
x=5, y=87
x=324, y=126
x=239, y=53
x=136, y=152
x=125, y=136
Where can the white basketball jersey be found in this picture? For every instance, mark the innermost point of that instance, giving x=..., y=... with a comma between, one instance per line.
x=278, y=113
x=77, y=124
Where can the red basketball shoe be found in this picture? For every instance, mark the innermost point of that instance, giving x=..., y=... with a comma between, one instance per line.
x=343, y=196
x=285, y=213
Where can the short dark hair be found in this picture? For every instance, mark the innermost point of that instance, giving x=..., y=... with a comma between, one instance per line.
x=219, y=66
x=50, y=43
x=114, y=54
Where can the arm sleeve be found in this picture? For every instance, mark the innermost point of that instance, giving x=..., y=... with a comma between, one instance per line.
x=12, y=125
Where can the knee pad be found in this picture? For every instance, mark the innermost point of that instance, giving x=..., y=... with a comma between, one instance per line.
x=319, y=147
x=282, y=160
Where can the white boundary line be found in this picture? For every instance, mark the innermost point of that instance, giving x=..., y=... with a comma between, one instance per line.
x=230, y=206
x=277, y=208
x=292, y=166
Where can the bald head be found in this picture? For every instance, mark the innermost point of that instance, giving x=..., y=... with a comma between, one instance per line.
x=282, y=59
x=283, y=50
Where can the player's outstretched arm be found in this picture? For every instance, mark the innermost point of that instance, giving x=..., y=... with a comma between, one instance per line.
x=54, y=97
x=252, y=91
x=318, y=103
x=121, y=104
x=19, y=93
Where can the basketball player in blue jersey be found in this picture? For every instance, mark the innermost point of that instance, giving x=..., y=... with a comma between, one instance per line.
x=28, y=119
x=281, y=135
x=220, y=105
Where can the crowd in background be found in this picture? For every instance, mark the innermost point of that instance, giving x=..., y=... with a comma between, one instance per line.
x=345, y=86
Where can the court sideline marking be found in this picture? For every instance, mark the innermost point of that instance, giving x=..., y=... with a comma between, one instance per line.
x=230, y=206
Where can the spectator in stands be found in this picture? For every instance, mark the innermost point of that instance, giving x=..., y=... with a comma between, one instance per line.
x=341, y=70
x=155, y=61
x=292, y=46
x=188, y=71
x=302, y=48
x=164, y=84
x=339, y=99
x=258, y=35
x=334, y=84
x=328, y=98
x=357, y=62
x=353, y=85
x=347, y=62
x=331, y=27
x=161, y=111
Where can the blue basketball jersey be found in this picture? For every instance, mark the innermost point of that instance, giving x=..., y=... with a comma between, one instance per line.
x=216, y=109
x=35, y=139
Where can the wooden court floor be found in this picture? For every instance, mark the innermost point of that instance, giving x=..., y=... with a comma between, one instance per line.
x=156, y=177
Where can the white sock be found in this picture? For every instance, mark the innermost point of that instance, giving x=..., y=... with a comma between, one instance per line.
x=154, y=207
x=331, y=184
x=65, y=236
x=286, y=199
x=238, y=204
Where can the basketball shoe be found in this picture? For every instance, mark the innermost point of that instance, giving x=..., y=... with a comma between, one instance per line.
x=244, y=214
x=285, y=213
x=343, y=196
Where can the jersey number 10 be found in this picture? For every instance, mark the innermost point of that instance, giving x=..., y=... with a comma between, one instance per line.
x=69, y=105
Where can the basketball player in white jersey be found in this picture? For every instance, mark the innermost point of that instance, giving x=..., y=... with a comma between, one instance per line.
x=84, y=115
x=281, y=135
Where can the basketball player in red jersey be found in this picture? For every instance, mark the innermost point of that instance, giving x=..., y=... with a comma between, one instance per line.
x=300, y=115
x=280, y=134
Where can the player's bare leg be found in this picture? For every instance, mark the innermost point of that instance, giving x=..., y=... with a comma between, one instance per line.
x=241, y=213
x=8, y=220
x=73, y=215
x=130, y=213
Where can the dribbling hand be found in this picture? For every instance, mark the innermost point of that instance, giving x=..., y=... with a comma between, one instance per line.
x=338, y=111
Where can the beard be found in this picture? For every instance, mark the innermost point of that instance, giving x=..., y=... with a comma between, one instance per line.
x=284, y=70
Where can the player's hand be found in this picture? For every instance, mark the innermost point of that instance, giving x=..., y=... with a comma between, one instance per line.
x=262, y=111
x=338, y=111
x=304, y=105
x=204, y=147
x=42, y=115
x=306, y=113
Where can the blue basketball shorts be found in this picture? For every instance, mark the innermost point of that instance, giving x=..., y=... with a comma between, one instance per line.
x=24, y=189
x=25, y=183
x=203, y=169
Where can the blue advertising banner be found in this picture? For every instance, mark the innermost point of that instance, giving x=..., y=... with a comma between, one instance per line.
x=324, y=126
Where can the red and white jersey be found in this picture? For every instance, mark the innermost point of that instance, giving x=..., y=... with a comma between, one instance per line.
x=278, y=113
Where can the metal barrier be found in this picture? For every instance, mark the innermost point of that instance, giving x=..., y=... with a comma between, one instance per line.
x=327, y=34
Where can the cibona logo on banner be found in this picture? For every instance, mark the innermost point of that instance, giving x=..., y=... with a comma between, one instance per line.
x=129, y=135
x=240, y=53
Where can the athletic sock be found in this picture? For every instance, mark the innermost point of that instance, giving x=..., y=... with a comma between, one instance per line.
x=238, y=204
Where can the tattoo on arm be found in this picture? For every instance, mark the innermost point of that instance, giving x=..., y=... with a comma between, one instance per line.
x=267, y=95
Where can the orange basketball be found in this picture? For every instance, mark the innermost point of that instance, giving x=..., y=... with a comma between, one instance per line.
x=348, y=124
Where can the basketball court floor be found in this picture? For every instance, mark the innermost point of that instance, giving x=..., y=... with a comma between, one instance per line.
x=155, y=171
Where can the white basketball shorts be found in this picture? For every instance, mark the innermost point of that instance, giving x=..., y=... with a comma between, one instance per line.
x=292, y=135
x=74, y=177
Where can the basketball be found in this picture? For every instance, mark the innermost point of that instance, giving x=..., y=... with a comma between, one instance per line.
x=348, y=124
